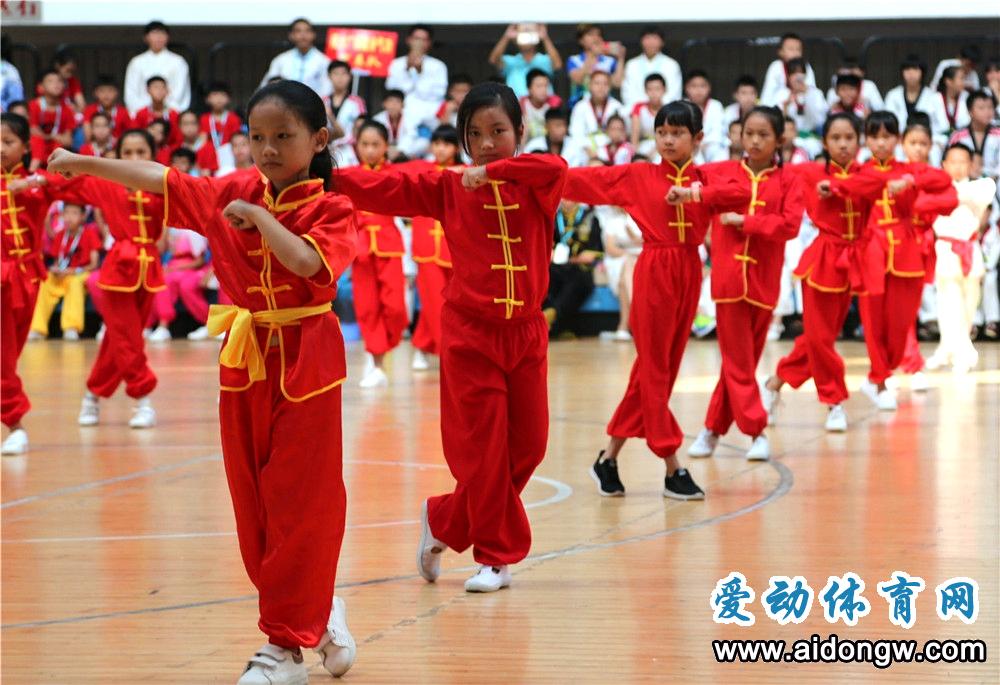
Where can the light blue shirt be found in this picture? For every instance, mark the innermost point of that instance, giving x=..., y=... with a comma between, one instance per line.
x=516, y=68
x=11, y=89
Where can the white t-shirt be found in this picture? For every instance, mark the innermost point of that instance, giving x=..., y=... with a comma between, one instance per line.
x=638, y=68
x=170, y=66
x=424, y=90
x=309, y=69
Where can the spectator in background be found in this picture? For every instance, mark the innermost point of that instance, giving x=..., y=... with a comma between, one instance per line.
x=157, y=61
x=65, y=63
x=744, y=99
x=159, y=96
x=11, y=88
x=644, y=115
x=801, y=101
x=590, y=115
x=698, y=89
x=968, y=59
x=911, y=95
x=950, y=110
x=303, y=63
x=790, y=47
x=537, y=103
x=458, y=88
x=515, y=68
x=405, y=142
x=577, y=250
x=342, y=107
x=106, y=97
x=557, y=140
x=993, y=83
x=52, y=121
x=868, y=92
x=651, y=61
x=596, y=56
x=847, y=96
x=100, y=137
x=219, y=123
x=422, y=79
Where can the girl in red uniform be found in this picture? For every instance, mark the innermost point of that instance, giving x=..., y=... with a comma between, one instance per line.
x=888, y=311
x=667, y=285
x=840, y=263
x=377, y=272
x=748, y=250
x=430, y=252
x=494, y=339
x=22, y=218
x=282, y=364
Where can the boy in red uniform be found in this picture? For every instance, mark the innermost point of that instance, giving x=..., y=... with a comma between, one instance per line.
x=494, y=339
x=219, y=123
x=101, y=143
x=52, y=120
x=158, y=91
x=106, y=94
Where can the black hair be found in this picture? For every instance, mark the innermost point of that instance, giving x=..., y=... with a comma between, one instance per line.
x=735, y=122
x=971, y=53
x=553, y=113
x=153, y=79
x=918, y=120
x=81, y=207
x=789, y=36
x=773, y=115
x=600, y=72
x=959, y=146
x=189, y=112
x=883, y=119
x=489, y=95
x=947, y=74
x=376, y=126
x=337, y=64
x=651, y=30
x=63, y=57
x=680, y=113
x=155, y=26
x=850, y=63
x=696, y=73
x=105, y=80
x=536, y=73
x=421, y=27
x=583, y=29
x=6, y=47
x=307, y=107
x=20, y=127
x=165, y=123
x=913, y=61
x=186, y=154
x=102, y=115
x=850, y=80
x=460, y=78
x=17, y=103
x=655, y=77
x=142, y=133
x=48, y=72
x=300, y=20
x=446, y=133
x=615, y=117
x=393, y=93
x=746, y=80
x=796, y=64
x=980, y=95
x=828, y=124
x=240, y=133
x=218, y=87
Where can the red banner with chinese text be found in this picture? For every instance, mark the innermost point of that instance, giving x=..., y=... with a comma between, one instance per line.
x=368, y=52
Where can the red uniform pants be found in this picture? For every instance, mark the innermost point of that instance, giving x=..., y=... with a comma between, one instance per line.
x=886, y=319
x=742, y=331
x=122, y=355
x=667, y=284
x=431, y=280
x=379, y=301
x=494, y=429
x=15, y=323
x=284, y=466
x=913, y=361
x=815, y=355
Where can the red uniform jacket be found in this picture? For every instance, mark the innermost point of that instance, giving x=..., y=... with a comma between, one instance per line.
x=428, y=244
x=843, y=255
x=312, y=350
x=377, y=233
x=747, y=259
x=23, y=221
x=219, y=132
x=74, y=249
x=500, y=234
x=91, y=151
x=641, y=189
x=891, y=221
x=120, y=120
x=205, y=158
x=51, y=119
x=135, y=219
x=145, y=116
x=927, y=208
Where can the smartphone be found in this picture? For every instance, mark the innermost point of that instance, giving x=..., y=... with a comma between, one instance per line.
x=527, y=34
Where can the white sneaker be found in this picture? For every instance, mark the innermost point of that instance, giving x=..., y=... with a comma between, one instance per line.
x=934, y=362
x=836, y=419
x=100, y=333
x=771, y=399
x=143, y=416
x=375, y=378
x=884, y=400
x=34, y=336
x=274, y=665
x=623, y=336
x=90, y=412
x=16, y=443
x=430, y=549
x=337, y=648
x=71, y=335
x=961, y=368
x=774, y=332
x=919, y=382
x=420, y=362
x=488, y=579
x=200, y=333
x=760, y=450
x=704, y=445
x=161, y=334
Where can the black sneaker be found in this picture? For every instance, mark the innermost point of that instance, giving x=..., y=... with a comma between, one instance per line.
x=680, y=485
x=605, y=474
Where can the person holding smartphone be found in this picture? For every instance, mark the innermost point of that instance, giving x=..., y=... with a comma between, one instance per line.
x=515, y=68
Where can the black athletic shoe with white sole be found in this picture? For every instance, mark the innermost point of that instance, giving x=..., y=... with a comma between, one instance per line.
x=681, y=486
x=605, y=474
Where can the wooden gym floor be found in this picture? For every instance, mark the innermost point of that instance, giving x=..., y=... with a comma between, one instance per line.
x=120, y=564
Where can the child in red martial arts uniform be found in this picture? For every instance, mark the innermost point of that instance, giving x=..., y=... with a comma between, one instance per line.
x=430, y=252
x=748, y=250
x=888, y=311
x=377, y=272
x=839, y=264
x=22, y=218
x=667, y=284
x=494, y=339
x=282, y=364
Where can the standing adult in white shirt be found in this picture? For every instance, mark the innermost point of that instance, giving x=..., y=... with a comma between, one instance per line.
x=157, y=61
x=422, y=79
x=651, y=61
x=303, y=63
x=790, y=47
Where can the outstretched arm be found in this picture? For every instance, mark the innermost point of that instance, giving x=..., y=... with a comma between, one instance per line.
x=147, y=176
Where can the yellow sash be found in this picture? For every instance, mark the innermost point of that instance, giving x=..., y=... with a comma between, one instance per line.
x=241, y=350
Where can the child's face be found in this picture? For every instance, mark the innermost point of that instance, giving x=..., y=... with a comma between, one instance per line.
x=393, y=106
x=190, y=128
x=12, y=148
x=616, y=131
x=600, y=87
x=444, y=152
x=556, y=130
x=791, y=48
x=759, y=139
x=157, y=91
x=538, y=91
x=981, y=112
x=735, y=131
x=676, y=143
x=182, y=164
x=341, y=79
x=281, y=144
x=993, y=78
x=53, y=85
x=67, y=70
x=917, y=146
x=791, y=132
x=157, y=130
x=698, y=90
x=655, y=92
x=19, y=109
x=100, y=129
x=72, y=216
x=882, y=144
x=241, y=149
x=371, y=147
x=491, y=135
x=458, y=91
x=956, y=83
x=957, y=164
x=135, y=148
x=746, y=97
x=912, y=77
x=848, y=95
x=841, y=142
x=217, y=101
x=106, y=96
